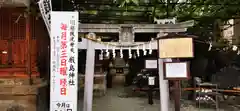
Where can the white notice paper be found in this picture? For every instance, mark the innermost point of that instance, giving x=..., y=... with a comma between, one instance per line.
x=151, y=80
x=151, y=64
x=176, y=70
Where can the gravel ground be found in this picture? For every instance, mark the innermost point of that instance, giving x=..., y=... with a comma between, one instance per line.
x=116, y=101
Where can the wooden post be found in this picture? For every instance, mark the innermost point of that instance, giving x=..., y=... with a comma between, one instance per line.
x=177, y=95
x=150, y=94
x=177, y=92
x=28, y=47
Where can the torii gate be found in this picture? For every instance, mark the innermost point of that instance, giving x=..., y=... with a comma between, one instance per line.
x=126, y=37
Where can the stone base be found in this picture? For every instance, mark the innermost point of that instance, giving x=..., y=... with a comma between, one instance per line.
x=119, y=79
x=99, y=90
x=18, y=95
x=99, y=86
x=18, y=103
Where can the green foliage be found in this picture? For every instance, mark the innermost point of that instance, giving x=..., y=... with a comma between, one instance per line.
x=209, y=14
x=193, y=9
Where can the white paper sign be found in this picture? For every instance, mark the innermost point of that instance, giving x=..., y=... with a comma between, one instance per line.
x=151, y=80
x=64, y=58
x=150, y=64
x=176, y=70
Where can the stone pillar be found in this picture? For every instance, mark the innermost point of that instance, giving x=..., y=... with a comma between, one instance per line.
x=163, y=86
x=89, y=77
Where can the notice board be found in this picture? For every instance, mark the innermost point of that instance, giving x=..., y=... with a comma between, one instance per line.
x=176, y=48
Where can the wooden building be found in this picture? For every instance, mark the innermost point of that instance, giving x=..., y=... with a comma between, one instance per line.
x=21, y=36
x=24, y=54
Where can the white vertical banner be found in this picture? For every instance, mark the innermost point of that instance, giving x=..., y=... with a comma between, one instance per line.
x=45, y=7
x=64, y=61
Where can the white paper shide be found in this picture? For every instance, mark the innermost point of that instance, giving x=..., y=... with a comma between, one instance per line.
x=64, y=57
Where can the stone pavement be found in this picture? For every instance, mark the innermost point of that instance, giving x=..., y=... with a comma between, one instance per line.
x=114, y=102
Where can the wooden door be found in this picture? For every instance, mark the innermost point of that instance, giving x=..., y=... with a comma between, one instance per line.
x=17, y=38
x=13, y=44
x=4, y=34
x=13, y=38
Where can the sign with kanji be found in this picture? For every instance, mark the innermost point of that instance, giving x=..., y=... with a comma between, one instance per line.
x=64, y=57
x=175, y=48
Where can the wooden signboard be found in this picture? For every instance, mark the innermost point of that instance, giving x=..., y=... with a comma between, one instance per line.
x=176, y=48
